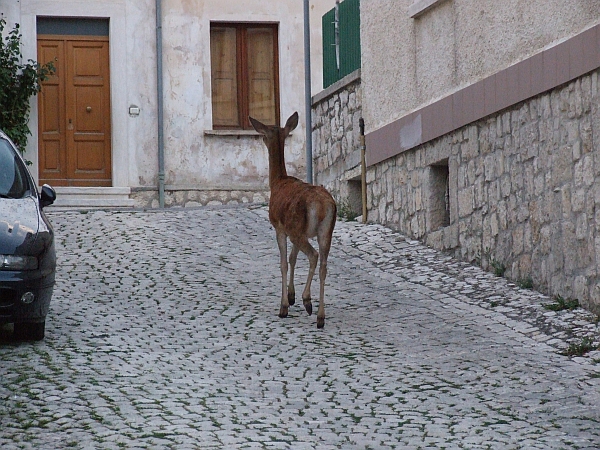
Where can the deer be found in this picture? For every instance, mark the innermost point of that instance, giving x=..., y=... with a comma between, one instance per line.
x=300, y=211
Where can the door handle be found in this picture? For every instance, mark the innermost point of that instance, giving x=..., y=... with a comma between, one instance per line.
x=88, y=109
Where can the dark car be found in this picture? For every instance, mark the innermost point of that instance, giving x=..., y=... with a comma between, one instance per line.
x=27, y=254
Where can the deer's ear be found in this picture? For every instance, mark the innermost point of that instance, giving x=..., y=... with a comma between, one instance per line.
x=258, y=126
x=291, y=123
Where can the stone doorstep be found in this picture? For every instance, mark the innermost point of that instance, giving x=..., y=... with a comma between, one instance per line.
x=93, y=197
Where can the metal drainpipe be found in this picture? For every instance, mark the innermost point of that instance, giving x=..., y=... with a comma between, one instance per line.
x=159, y=93
x=336, y=25
x=307, y=93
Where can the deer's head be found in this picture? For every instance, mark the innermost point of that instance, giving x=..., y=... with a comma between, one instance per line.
x=274, y=134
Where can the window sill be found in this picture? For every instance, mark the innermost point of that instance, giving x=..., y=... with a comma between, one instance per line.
x=230, y=133
x=420, y=7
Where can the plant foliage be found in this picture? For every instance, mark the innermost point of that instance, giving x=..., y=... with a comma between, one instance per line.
x=561, y=304
x=18, y=82
x=580, y=348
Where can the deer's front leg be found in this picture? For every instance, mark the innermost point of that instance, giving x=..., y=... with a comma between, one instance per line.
x=282, y=243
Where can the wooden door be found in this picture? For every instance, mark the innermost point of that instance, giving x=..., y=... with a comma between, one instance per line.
x=74, y=112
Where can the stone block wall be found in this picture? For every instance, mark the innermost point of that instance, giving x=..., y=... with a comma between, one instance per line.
x=191, y=198
x=519, y=189
x=336, y=140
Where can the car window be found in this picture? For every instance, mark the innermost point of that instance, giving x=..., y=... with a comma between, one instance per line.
x=13, y=178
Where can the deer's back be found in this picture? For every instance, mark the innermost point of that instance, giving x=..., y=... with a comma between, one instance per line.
x=299, y=208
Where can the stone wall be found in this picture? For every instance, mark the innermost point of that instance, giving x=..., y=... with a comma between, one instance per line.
x=190, y=198
x=518, y=190
x=336, y=140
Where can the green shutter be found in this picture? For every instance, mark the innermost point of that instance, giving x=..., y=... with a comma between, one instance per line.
x=330, y=72
x=349, y=42
x=349, y=37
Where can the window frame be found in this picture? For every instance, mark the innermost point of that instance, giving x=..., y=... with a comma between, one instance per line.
x=242, y=71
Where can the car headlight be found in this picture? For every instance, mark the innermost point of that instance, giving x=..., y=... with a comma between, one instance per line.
x=11, y=262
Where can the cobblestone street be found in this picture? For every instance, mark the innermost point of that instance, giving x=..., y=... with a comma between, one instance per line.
x=163, y=333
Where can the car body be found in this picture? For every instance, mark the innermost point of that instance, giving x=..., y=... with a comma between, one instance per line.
x=27, y=252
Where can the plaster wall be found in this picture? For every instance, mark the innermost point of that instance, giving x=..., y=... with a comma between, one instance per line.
x=10, y=11
x=195, y=158
x=409, y=63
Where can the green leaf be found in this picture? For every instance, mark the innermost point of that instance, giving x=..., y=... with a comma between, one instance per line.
x=18, y=83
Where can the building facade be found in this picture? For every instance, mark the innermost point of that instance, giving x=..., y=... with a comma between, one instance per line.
x=95, y=124
x=483, y=134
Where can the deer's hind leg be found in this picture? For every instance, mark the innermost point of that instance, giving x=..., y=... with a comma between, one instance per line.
x=291, y=290
x=323, y=254
x=282, y=243
x=324, y=237
x=313, y=257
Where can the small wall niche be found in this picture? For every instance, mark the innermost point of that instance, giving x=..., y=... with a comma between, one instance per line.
x=439, y=195
x=355, y=196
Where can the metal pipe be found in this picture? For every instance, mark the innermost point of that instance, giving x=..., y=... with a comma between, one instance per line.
x=363, y=169
x=336, y=25
x=308, y=93
x=160, y=106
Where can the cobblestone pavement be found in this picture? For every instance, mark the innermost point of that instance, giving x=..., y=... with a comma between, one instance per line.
x=163, y=333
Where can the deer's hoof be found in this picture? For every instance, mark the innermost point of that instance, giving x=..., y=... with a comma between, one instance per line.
x=320, y=322
x=291, y=298
x=308, y=306
x=283, y=312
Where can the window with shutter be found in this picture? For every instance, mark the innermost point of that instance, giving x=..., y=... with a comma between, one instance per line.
x=244, y=74
x=223, y=44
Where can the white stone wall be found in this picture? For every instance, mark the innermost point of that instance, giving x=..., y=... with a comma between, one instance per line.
x=408, y=63
x=524, y=191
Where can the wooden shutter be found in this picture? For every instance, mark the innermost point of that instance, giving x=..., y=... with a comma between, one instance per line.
x=223, y=50
x=261, y=74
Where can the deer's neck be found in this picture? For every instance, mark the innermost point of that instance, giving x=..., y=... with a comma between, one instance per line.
x=276, y=163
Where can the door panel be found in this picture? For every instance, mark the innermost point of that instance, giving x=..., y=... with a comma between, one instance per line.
x=51, y=116
x=89, y=117
x=85, y=115
x=90, y=156
x=87, y=59
x=52, y=157
x=52, y=138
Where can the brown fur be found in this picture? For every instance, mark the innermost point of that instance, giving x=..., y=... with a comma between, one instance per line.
x=300, y=211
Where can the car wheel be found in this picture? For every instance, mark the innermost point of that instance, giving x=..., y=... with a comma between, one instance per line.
x=30, y=331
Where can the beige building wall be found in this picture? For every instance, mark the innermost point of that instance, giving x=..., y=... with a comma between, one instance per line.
x=217, y=160
x=410, y=62
x=195, y=158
